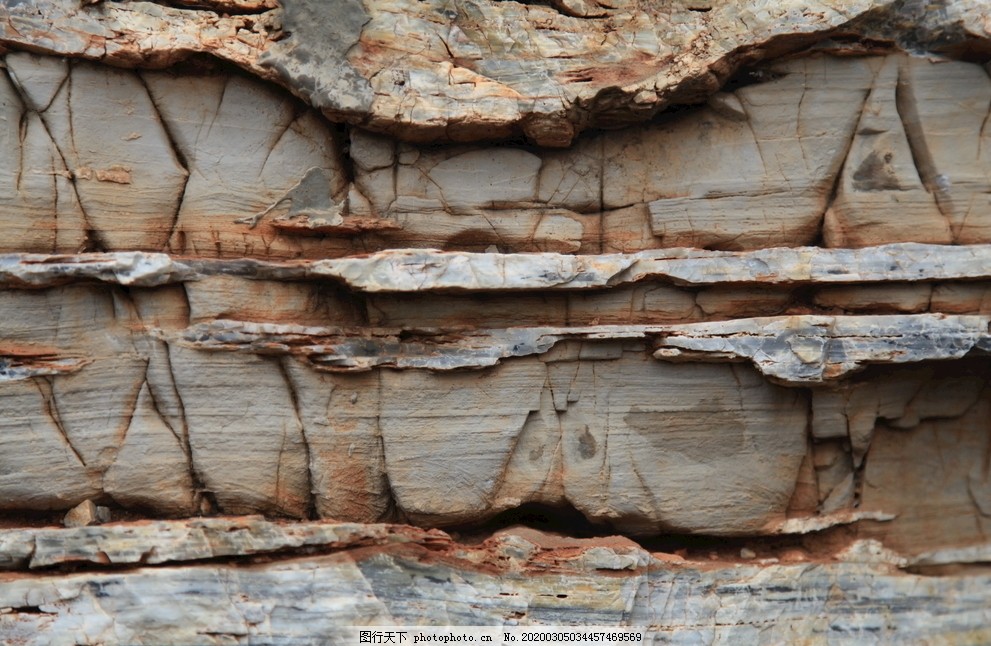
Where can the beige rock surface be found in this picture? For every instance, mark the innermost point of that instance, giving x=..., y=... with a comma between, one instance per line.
x=581, y=417
x=713, y=275
x=821, y=149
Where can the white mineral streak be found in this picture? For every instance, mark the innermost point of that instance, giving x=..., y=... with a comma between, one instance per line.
x=418, y=271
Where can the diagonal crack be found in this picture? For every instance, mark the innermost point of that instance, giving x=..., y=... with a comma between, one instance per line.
x=199, y=487
x=908, y=112
x=179, y=153
x=46, y=389
x=311, y=512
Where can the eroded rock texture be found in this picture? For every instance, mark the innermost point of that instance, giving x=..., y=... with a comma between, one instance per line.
x=711, y=276
x=219, y=165
x=384, y=574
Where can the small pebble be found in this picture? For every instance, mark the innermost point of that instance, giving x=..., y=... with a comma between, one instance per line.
x=82, y=515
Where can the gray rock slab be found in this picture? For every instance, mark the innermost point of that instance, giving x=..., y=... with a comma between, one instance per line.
x=406, y=270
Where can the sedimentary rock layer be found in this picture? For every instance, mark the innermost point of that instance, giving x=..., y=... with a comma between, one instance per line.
x=430, y=270
x=826, y=150
x=708, y=274
x=574, y=416
x=317, y=582
x=433, y=71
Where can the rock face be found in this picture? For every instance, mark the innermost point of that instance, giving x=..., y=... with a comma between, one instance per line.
x=356, y=575
x=711, y=276
x=215, y=165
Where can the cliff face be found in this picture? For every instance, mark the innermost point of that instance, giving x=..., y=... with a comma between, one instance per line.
x=700, y=290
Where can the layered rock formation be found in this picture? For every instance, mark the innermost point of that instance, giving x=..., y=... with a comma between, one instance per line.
x=714, y=278
x=375, y=574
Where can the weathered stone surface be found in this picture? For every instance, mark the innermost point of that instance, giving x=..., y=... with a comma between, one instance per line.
x=517, y=577
x=157, y=414
x=766, y=170
x=935, y=455
x=868, y=434
x=710, y=274
x=429, y=270
x=247, y=146
x=791, y=350
x=533, y=430
x=212, y=164
x=124, y=170
x=811, y=349
x=520, y=436
x=429, y=72
x=270, y=417
x=152, y=466
x=40, y=208
x=158, y=542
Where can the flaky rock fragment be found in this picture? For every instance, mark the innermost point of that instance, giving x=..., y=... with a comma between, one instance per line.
x=84, y=514
x=803, y=349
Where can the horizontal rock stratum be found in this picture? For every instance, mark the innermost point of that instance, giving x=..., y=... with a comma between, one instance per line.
x=319, y=578
x=435, y=71
x=213, y=164
x=673, y=315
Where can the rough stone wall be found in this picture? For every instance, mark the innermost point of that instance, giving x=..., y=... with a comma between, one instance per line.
x=317, y=315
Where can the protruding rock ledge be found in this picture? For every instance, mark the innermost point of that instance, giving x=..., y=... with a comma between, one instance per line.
x=593, y=423
x=143, y=543
x=812, y=524
x=395, y=575
x=416, y=270
x=814, y=349
x=799, y=350
x=421, y=71
x=155, y=542
x=796, y=350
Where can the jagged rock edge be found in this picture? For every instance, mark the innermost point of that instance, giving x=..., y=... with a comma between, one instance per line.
x=875, y=23
x=425, y=270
